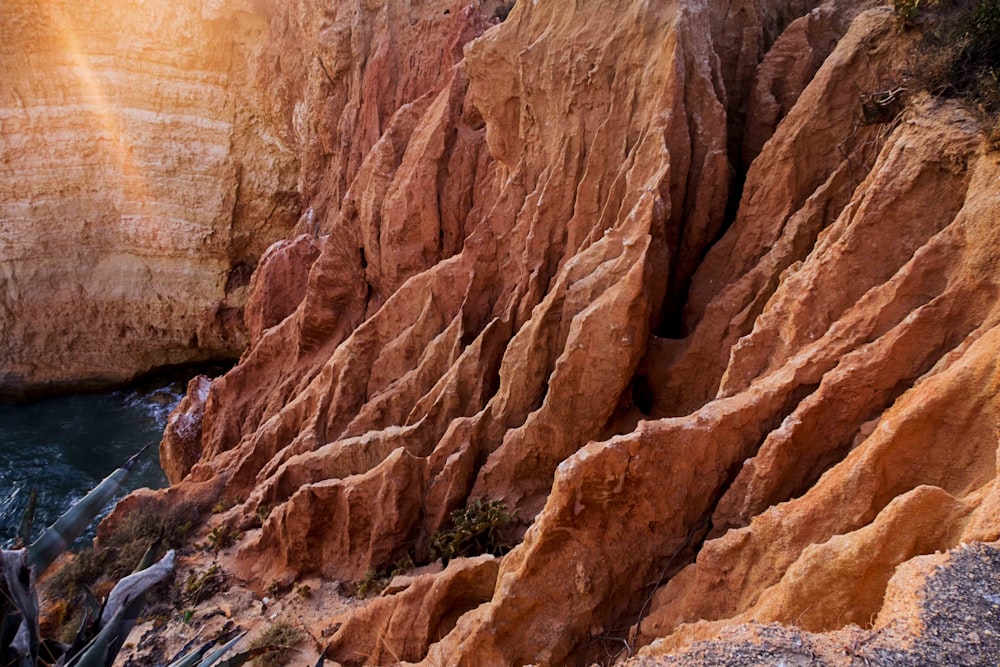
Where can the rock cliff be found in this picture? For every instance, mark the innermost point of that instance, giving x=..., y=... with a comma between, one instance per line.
x=143, y=171
x=653, y=275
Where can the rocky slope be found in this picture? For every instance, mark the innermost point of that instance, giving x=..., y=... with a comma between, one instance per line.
x=938, y=609
x=542, y=276
x=142, y=173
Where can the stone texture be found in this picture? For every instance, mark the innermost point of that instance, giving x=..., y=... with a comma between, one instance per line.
x=401, y=626
x=939, y=608
x=180, y=447
x=138, y=186
x=519, y=282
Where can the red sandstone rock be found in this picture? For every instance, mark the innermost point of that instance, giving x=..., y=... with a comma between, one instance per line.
x=400, y=626
x=509, y=232
x=937, y=608
x=279, y=284
x=181, y=445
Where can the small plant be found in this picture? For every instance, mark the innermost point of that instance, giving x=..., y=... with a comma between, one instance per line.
x=376, y=580
x=477, y=529
x=222, y=537
x=82, y=571
x=402, y=566
x=200, y=586
x=257, y=519
x=276, y=588
x=372, y=583
x=224, y=505
x=906, y=11
x=262, y=513
x=303, y=591
x=281, y=638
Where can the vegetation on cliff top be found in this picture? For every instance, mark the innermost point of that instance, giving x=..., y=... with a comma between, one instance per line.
x=958, y=54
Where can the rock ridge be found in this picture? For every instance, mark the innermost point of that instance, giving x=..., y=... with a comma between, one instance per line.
x=532, y=273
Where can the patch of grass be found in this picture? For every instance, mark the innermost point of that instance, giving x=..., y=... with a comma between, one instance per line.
x=200, y=586
x=958, y=55
x=118, y=555
x=68, y=622
x=224, y=505
x=376, y=581
x=279, y=634
x=372, y=583
x=84, y=569
x=222, y=537
x=478, y=529
x=906, y=11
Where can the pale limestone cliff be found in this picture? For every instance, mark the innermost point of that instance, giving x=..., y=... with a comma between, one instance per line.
x=141, y=176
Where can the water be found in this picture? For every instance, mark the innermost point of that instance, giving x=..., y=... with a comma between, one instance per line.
x=66, y=446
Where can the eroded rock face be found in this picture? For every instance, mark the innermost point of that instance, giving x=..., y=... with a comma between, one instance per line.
x=180, y=447
x=279, y=284
x=140, y=180
x=507, y=234
x=398, y=627
x=939, y=606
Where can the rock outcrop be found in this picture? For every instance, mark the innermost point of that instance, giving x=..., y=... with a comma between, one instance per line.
x=533, y=271
x=141, y=177
x=937, y=608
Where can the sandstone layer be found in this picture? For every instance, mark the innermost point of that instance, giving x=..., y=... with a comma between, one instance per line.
x=142, y=174
x=938, y=609
x=535, y=271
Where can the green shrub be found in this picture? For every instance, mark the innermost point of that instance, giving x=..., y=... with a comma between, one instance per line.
x=477, y=529
x=376, y=580
x=222, y=537
x=373, y=583
x=906, y=11
x=224, y=505
x=958, y=54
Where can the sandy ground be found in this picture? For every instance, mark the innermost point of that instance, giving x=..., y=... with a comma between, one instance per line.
x=312, y=606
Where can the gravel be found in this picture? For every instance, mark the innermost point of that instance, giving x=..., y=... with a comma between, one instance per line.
x=959, y=621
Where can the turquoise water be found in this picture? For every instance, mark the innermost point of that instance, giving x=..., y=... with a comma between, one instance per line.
x=64, y=446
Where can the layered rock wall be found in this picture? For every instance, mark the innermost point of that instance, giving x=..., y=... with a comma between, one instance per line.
x=139, y=183
x=537, y=274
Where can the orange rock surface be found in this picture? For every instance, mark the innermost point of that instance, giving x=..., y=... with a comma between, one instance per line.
x=533, y=271
x=141, y=176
